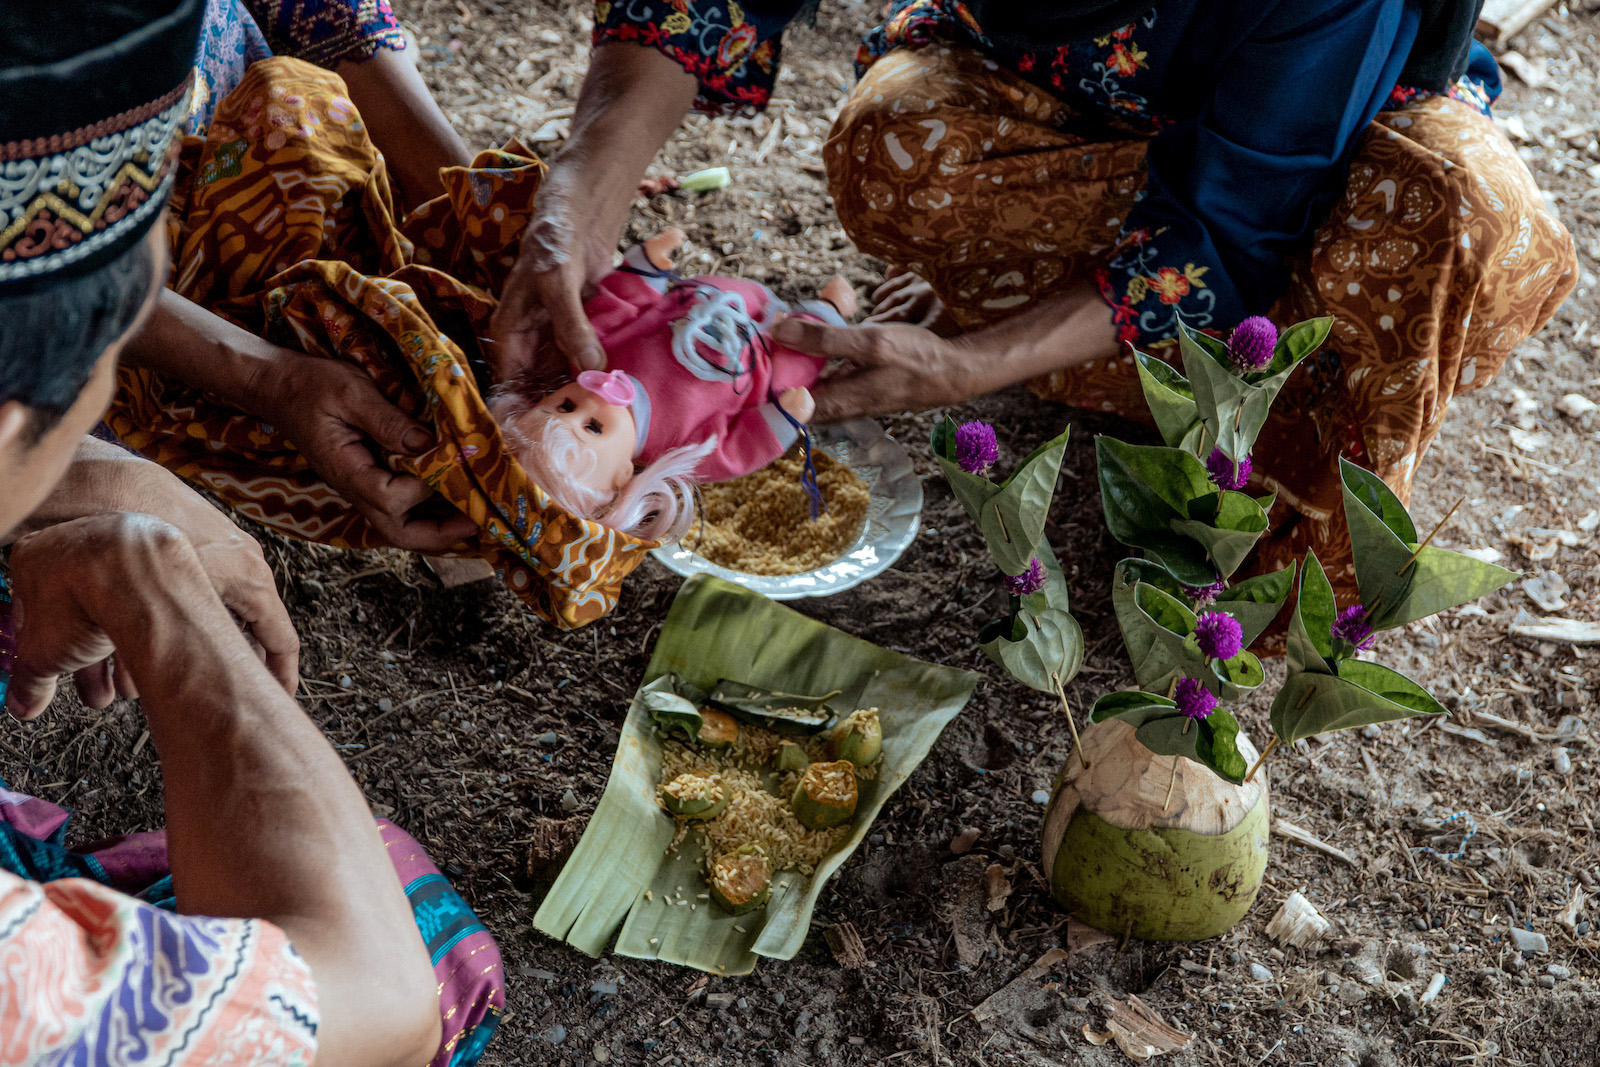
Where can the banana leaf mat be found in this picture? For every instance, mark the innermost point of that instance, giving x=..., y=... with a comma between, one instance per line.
x=716, y=631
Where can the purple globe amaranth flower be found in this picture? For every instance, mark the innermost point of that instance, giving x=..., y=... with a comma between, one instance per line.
x=1225, y=474
x=1219, y=635
x=976, y=448
x=1250, y=346
x=1352, y=626
x=1194, y=699
x=1029, y=581
x=1205, y=594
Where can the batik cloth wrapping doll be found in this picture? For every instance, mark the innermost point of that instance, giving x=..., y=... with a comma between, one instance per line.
x=695, y=390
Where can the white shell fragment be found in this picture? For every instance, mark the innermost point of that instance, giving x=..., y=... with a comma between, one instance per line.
x=1548, y=590
x=1298, y=922
x=1433, y=990
x=1566, y=631
x=1575, y=405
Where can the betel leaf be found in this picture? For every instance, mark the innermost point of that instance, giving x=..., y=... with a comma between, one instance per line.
x=1256, y=601
x=1360, y=694
x=1132, y=706
x=1232, y=409
x=972, y=490
x=1156, y=651
x=1309, y=644
x=1158, y=632
x=1228, y=524
x=1143, y=490
x=753, y=701
x=1295, y=344
x=1169, y=398
x=671, y=713
x=1048, y=653
x=1012, y=521
x=1445, y=580
x=1396, y=588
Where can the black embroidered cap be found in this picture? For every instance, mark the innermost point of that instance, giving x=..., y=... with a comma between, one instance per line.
x=92, y=97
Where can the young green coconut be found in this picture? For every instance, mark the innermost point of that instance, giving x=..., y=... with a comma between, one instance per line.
x=741, y=881
x=1125, y=859
x=826, y=795
x=695, y=796
x=859, y=738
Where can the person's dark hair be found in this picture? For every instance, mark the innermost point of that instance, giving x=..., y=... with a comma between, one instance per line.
x=50, y=339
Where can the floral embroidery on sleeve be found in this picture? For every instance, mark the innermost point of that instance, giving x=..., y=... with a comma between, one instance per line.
x=715, y=40
x=1148, y=297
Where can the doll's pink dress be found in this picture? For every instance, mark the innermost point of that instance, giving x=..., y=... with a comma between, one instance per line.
x=701, y=359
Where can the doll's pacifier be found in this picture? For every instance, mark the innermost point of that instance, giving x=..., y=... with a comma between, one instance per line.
x=614, y=387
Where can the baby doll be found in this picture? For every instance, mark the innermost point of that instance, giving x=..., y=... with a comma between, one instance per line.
x=695, y=390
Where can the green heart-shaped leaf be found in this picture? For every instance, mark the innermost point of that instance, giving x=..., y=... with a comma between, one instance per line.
x=1048, y=654
x=1169, y=398
x=1228, y=524
x=1012, y=521
x=1212, y=742
x=1295, y=344
x=1142, y=491
x=1256, y=601
x=1232, y=408
x=1132, y=706
x=1310, y=644
x=1360, y=694
x=1397, y=588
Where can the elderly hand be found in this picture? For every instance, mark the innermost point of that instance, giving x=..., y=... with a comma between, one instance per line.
x=342, y=423
x=894, y=368
x=106, y=478
x=78, y=587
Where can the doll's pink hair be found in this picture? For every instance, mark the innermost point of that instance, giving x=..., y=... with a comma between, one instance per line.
x=656, y=505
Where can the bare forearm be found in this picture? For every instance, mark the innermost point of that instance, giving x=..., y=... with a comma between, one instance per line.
x=404, y=122
x=632, y=100
x=264, y=821
x=1061, y=331
x=97, y=481
x=185, y=341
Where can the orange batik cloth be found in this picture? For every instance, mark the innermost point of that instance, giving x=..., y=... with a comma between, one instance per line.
x=283, y=222
x=1439, y=259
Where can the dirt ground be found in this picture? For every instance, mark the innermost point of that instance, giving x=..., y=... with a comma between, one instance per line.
x=475, y=726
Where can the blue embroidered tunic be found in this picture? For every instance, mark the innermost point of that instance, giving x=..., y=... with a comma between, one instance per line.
x=1253, y=109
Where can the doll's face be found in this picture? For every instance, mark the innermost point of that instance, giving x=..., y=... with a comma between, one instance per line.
x=605, y=429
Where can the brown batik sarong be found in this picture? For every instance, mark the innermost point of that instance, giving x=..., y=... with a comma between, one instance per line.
x=1438, y=261
x=282, y=221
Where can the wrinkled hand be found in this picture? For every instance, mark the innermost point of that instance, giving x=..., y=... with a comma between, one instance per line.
x=906, y=297
x=542, y=301
x=77, y=587
x=340, y=422
x=232, y=560
x=894, y=368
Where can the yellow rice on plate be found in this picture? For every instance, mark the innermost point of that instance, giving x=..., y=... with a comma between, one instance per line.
x=761, y=523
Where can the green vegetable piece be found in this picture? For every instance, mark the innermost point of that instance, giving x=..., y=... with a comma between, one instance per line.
x=826, y=795
x=741, y=881
x=695, y=796
x=718, y=729
x=859, y=738
x=791, y=757
x=703, y=181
